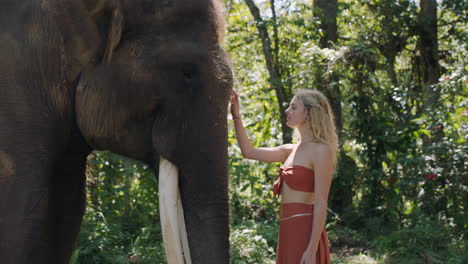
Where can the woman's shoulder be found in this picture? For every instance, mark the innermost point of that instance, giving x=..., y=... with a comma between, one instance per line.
x=317, y=149
x=321, y=147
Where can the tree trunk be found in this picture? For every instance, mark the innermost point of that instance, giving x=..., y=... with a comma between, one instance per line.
x=428, y=47
x=391, y=68
x=275, y=79
x=326, y=10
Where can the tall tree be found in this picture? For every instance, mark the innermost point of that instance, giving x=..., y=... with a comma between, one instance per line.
x=326, y=11
x=429, y=50
x=272, y=62
x=391, y=30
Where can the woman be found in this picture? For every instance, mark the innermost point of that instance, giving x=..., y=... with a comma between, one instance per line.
x=305, y=177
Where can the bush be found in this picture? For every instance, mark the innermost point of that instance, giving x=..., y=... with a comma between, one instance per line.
x=248, y=244
x=121, y=222
x=427, y=242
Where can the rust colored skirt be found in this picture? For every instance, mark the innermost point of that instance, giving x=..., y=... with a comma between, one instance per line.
x=294, y=235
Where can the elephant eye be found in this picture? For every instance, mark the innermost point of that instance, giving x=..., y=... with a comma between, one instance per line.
x=187, y=75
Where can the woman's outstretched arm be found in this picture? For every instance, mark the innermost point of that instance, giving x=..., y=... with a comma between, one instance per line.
x=275, y=154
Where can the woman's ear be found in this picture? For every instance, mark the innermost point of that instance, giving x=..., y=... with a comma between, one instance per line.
x=84, y=40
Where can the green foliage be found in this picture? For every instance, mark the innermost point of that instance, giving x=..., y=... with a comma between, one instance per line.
x=249, y=244
x=356, y=259
x=251, y=196
x=398, y=162
x=344, y=236
x=122, y=216
x=427, y=242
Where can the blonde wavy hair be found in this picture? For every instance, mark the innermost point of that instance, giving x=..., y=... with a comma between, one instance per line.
x=320, y=119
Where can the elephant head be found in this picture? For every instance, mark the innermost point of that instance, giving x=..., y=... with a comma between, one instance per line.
x=153, y=82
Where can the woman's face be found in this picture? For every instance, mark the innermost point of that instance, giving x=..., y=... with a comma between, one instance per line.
x=295, y=113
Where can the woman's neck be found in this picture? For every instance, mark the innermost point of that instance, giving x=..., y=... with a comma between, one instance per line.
x=305, y=133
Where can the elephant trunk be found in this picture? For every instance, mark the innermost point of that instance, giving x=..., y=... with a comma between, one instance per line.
x=201, y=162
x=199, y=211
x=204, y=198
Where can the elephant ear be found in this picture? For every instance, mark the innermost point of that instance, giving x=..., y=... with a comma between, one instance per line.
x=114, y=31
x=90, y=29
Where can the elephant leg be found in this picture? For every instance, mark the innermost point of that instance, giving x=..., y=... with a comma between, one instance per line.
x=29, y=198
x=68, y=202
x=25, y=218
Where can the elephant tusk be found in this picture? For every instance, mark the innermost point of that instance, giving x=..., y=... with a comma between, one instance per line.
x=183, y=230
x=172, y=215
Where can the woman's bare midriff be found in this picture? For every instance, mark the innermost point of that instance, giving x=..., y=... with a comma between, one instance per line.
x=289, y=195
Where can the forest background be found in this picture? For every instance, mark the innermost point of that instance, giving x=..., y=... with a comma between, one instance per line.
x=396, y=75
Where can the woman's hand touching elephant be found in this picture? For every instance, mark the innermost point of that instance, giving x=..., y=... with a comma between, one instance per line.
x=235, y=112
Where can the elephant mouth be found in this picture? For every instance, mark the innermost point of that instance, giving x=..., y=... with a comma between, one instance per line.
x=172, y=215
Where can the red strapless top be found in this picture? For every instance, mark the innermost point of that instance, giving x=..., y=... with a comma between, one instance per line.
x=297, y=177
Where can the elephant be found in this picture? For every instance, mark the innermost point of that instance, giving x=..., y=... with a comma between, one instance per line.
x=147, y=79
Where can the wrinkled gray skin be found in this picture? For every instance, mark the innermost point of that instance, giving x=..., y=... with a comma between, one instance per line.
x=140, y=78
